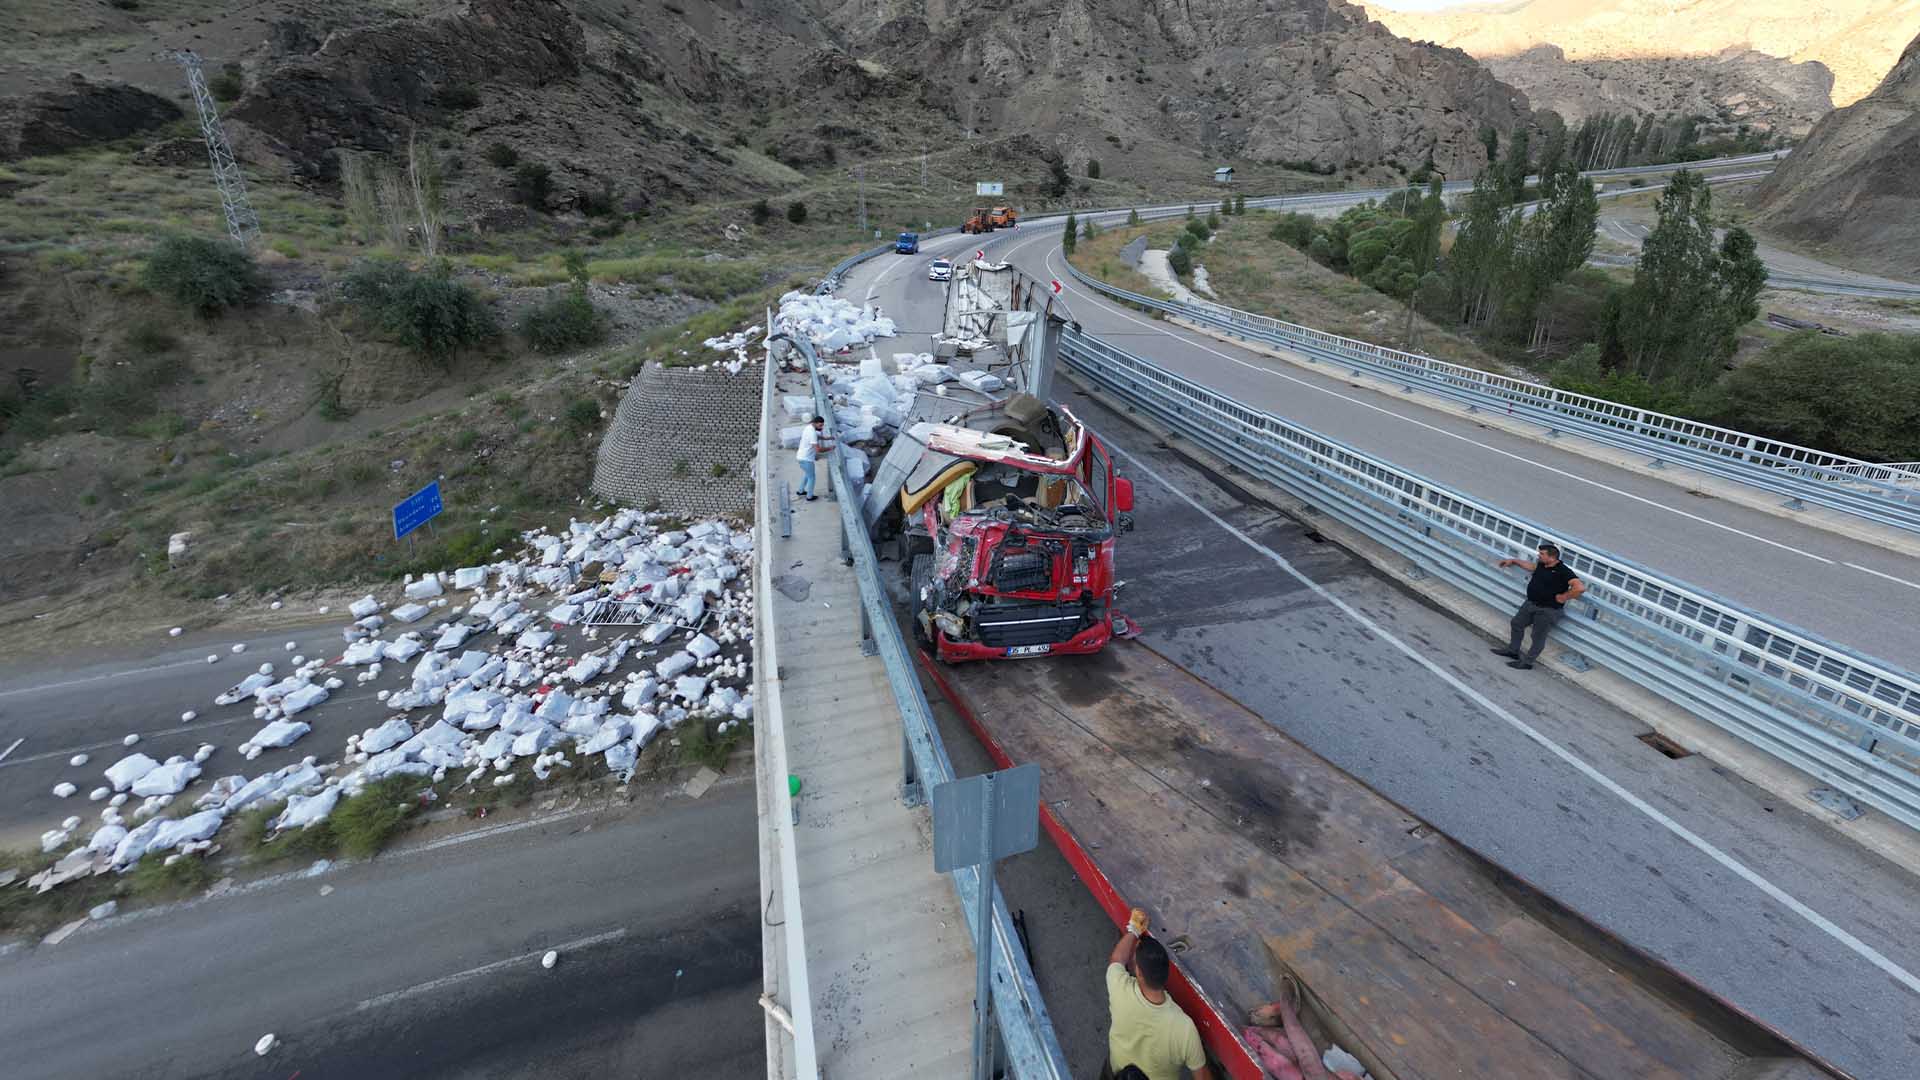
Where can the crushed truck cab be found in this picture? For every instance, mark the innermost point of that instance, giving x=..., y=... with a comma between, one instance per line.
x=1008, y=525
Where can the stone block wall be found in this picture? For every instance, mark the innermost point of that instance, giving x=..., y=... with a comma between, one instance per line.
x=683, y=441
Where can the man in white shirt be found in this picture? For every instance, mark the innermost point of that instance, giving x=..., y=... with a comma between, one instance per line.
x=813, y=440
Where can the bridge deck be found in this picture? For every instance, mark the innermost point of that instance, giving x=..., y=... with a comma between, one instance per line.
x=1253, y=854
x=888, y=956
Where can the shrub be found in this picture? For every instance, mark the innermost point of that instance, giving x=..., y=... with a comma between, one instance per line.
x=1133, y=217
x=1093, y=169
x=208, y=276
x=149, y=338
x=597, y=203
x=532, y=183
x=1213, y=221
x=124, y=5
x=502, y=155
x=583, y=415
x=565, y=321
x=227, y=86
x=458, y=97
x=797, y=212
x=1180, y=261
x=1200, y=230
x=429, y=313
x=1296, y=229
x=365, y=823
x=761, y=212
x=1858, y=396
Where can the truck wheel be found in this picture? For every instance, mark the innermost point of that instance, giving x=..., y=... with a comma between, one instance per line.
x=918, y=579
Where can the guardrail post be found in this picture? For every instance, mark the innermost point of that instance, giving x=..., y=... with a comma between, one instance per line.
x=868, y=646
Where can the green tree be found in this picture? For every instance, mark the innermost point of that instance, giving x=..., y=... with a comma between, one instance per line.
x=1513, y=171
x=1482, y=254
x=1858, y=396
x=761, y=212
x=532, y=183
x=1554, y=242
x=1093, y=169
x=797, y=212
x=1071, y=235
x=1133, y=217
x=1689, y=295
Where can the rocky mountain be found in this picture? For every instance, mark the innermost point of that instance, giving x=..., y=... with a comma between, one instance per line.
x=663, y=100
x=1308, y=81
x=1857, y=40
x=1851, y=184
x=1734, y=86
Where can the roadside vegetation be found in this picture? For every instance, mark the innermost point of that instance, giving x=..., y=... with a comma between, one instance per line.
x=1512, y=290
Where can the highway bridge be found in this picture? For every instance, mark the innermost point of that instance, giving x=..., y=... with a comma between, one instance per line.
x=1716, y=866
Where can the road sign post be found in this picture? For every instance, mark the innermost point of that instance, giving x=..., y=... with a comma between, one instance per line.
x=976, y=821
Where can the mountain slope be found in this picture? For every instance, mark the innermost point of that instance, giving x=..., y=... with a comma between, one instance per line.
x=662, y=101
x=1851, y=184
x=1734, y=86
x=1858, y=40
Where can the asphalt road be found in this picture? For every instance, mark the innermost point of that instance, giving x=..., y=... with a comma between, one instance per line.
x=425, y=962
x=1222, y=607
x=1785, y=269
x=1847, y=591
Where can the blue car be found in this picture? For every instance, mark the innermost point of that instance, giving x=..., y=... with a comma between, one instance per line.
x=907, y=244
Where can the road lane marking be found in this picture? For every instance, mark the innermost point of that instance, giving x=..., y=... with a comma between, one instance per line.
x=1443, y=431
x=1692, y=839
x=368, y=694
x=1856, y=566
x=11, y=749
x=457, y=977
x=98, y=678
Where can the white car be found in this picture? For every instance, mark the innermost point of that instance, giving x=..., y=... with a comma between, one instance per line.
x=940, y=270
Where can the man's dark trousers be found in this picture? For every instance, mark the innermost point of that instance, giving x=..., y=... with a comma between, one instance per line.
x=1542, y=619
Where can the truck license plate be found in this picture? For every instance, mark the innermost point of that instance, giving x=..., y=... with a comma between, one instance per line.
x=1029, y=650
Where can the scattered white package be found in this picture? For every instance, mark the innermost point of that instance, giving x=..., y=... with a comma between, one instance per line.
x=386, y=736
x=169, y=779
x=306, y=697
x=280, y=733
x=469, y=577
x=364, y=607
x=422, y=588
x=306, y=811
x=121, y=774
x=408, y=613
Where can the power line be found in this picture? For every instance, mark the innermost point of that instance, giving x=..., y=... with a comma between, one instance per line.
x=243, y=225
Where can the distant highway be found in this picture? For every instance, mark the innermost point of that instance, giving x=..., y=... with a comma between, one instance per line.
x=1784, y=269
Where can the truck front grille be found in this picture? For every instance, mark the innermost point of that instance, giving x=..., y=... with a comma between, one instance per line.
x=1003, y=625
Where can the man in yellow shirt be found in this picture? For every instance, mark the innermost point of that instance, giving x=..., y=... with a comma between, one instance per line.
x=1148, y=1031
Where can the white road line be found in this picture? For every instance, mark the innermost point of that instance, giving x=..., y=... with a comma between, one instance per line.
x=99, y=678
x=1694, y=840
x=11, y=749
x=445, y=981
x=1856, y=566
x=246, y=716
x=1522, y=458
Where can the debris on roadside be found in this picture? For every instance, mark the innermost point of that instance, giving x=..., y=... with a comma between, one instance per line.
x=488, y=693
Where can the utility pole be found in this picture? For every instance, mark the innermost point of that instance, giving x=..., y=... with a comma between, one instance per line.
x=860, y=175
x=243, y=225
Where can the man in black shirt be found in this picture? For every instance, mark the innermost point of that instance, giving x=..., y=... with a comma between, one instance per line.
x=1552, y=586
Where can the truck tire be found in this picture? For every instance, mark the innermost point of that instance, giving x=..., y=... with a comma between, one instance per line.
x=918, y=579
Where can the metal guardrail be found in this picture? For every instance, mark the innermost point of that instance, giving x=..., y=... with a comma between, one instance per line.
x=1026, y=1030
x=1802, y=474
x=1849, y=720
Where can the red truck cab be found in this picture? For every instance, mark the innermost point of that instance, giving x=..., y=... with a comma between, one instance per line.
x=1021, y=539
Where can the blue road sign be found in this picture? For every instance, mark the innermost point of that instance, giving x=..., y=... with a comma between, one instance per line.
x=416, y=510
